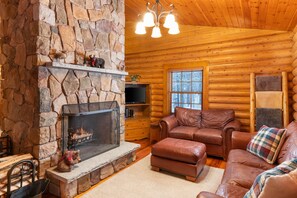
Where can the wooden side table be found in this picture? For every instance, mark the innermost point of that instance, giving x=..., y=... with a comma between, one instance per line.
x=155, y=132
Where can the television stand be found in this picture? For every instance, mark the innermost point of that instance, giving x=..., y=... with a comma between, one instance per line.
x=138, y=126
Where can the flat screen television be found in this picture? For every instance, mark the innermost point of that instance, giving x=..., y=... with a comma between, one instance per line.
x=135, y=94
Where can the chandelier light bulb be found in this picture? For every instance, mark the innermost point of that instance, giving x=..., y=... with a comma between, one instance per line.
x=152, y=17
x=156, y=32
x=148, y=19
x=169, y=20
x=174, y=29
x=140, y=29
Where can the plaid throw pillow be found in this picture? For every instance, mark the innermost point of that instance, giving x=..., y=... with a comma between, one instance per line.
x=267, y=143
x=259, y=183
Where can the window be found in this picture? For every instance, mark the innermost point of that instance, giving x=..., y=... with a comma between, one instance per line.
x=186, y=89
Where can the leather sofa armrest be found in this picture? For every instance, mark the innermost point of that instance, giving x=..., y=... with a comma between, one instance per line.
x=205, y=194
x=240, y=140
x=167, y=124
x=227, y=133
x=234, y=125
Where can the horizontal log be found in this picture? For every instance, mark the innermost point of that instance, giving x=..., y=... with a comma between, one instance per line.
x=207, y=37
x=157, y=114
x=240, y=107
x=229, y=79
x=155, y=119
x=244, y=121
x=239, y=93
x=242, y=114
x=294, y=97
x=295, y=116
x=157, y=109
x=157, y=103
x=268, y=70
x=241, y=57
x=295, y=89
x=157, y=86
x=157, y=97
x=229, y=100
x=294, y=64
x=294, y=106
x=157, y=92
x=229, y=86
x=212, y=50
x=248, y=43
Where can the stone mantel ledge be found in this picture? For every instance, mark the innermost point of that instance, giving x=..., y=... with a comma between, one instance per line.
x=85, y=68
x=89, y=165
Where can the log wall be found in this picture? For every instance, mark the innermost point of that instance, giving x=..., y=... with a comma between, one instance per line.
x=232, y=54
x=294, y=64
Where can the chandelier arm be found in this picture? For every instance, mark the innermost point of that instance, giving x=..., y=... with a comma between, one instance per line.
x=152, y=11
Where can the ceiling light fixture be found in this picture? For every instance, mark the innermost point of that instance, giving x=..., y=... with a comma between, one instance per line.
x=152, y=19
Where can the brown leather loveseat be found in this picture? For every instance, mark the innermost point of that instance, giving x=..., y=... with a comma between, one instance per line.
x=243, y=167
x=211, y=127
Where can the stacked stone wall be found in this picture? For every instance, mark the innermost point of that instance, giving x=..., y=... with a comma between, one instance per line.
x=32, y=32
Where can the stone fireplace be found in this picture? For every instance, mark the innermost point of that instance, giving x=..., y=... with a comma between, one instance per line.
x=36, y=85
x=91, y=128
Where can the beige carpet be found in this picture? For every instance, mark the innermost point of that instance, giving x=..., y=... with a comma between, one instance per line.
x=139, y=180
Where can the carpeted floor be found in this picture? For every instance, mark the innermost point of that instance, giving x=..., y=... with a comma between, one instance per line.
x=140, y=181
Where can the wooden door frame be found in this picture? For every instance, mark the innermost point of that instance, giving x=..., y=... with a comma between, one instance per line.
x=188, y=66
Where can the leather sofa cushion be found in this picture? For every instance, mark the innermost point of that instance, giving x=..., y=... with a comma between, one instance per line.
x=246, y=158
x=240, y=174
x=289, y=148
x=183, y=132
x=231, y=191
x=180, y=150
x=188, y=117
x=216, y=119
x=209, y=136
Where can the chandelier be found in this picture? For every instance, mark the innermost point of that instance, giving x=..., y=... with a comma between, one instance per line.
x=152, y=19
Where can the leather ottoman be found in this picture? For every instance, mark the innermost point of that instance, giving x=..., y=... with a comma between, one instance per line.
x=179, y=156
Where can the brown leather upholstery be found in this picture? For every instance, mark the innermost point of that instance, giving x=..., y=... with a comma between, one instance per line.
x=204, y=194
x=179, y=156
x=231, y=191
x=188, y=117
x=183, y=132
x=244, y=157
x=180, y=150
x=209, y=136
x=289, y=148
x=215, y=131
x=243, y=167
x=240, y=140
x=216, y=119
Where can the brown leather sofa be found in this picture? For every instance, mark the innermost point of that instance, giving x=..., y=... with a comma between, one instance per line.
x=211, y=127
x=243, y=167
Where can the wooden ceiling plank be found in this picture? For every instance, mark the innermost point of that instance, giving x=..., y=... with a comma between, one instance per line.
x=207, y=12
x=246, y=13
x=263, y=5
x=202, y=13
x=227, y=11
x=288, y=17
x=238, y=14
x=280, y=13
x=254, y=6
x=271, y=12
x=217, y=11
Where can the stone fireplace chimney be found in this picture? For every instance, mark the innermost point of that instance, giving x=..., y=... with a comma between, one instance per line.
x=32, y=32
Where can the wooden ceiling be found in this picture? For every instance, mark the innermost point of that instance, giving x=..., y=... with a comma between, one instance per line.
x=258, y=14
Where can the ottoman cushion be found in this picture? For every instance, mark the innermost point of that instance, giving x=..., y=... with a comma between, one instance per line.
x=179, y=150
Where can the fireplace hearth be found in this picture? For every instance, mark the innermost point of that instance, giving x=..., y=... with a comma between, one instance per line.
x=92, y=128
